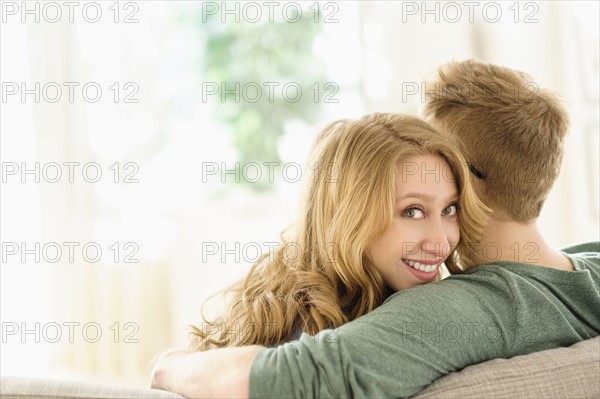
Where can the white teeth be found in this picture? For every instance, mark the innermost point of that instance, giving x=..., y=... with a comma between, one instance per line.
x=420, y=266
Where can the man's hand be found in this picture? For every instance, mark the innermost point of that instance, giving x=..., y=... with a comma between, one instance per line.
x=213, y=373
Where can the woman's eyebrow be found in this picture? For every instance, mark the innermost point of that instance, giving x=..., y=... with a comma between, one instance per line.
x=425, y=197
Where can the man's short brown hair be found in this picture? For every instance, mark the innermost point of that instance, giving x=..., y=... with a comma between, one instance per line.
x=509, y=129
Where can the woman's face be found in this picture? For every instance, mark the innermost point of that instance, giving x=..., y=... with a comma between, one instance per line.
x=425, y=226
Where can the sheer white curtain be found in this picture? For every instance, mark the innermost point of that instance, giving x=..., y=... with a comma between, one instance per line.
x=73, y=313
x=20, y=209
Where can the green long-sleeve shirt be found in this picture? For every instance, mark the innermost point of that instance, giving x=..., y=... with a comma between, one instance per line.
x=498, y=310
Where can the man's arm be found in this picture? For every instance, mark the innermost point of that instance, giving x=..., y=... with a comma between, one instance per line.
x=214, y=373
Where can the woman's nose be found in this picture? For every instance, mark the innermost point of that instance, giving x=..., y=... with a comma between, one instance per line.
x=436, y=239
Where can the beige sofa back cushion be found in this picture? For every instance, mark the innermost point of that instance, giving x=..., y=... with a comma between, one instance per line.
x=571, y=372
x=38, y=388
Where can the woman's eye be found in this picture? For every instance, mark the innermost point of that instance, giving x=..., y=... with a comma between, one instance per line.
x=451, y=210
x=413, y=213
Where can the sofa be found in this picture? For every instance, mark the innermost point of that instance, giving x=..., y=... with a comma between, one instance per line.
x=569, y=372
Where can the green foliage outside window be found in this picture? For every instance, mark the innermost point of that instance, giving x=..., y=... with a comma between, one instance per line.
x=268, y=61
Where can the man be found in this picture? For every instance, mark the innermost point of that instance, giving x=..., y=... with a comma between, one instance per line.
x=523, y=297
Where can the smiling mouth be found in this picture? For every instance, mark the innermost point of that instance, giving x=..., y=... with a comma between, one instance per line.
x=420, y=266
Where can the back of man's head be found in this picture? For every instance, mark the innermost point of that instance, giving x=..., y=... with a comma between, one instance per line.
x=510, y=130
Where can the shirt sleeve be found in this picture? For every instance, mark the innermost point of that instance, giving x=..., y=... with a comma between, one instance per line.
x=398, y=349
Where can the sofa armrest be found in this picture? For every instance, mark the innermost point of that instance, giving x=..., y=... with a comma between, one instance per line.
x=571, y=372
x=34, y=388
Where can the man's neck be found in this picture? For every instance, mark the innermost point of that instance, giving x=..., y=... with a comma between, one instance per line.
x=517, y=242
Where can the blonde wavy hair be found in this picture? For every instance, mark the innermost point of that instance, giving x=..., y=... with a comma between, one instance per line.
x=348, y=202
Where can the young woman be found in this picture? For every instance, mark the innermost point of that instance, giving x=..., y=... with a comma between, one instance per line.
x=388, y=202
